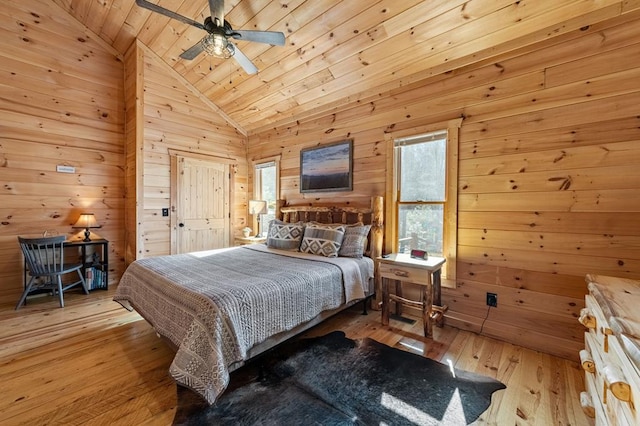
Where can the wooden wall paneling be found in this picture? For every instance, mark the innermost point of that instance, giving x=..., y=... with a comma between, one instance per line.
x=524, y=232
x=518, y=141
x=395, y=25
x=617, y=60
x=522, y=334
x=540, y=282
x=443, y=61
x=619, y=200
x=184, y=84
x=51, y=16
x=604, y=223
x=589, y=90
x=616, y=246
x=73, y=112
x=561, y=139
x=174, y=118
x=19, y=153
x=555, y=117
x=62, y=109
x=606, y=35
x=566, y=264
x=570, y=158
x=630, y=5
x=446, y=99
x=578, y=179
x=332, y=46
x=437, y=108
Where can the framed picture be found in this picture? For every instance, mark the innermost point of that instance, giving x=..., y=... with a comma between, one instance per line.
x=327, y=167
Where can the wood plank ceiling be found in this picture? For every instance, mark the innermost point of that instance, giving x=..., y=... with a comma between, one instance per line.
x=337, y=53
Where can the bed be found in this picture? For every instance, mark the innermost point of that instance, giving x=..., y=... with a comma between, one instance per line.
x=220, y=308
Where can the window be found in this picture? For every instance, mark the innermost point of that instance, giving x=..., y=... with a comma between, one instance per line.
x=422, y=194
x=266, y=174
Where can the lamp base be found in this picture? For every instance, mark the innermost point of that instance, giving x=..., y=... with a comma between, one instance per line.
x=87, y=233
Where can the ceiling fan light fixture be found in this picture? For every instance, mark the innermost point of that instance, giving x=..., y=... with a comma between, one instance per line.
x=217, y=45
x=216, y=42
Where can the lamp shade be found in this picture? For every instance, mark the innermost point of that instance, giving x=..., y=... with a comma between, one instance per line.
x=86, y=220
x=257, y=207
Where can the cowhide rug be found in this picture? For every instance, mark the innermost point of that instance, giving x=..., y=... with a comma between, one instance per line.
x=332, y=380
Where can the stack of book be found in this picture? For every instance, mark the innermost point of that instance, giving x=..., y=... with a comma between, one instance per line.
x=94, y=277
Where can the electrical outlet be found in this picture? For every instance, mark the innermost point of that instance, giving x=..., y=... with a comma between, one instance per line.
x=492, y=300
x=165, y=212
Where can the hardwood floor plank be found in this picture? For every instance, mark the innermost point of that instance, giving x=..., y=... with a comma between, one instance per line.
x=95, y=363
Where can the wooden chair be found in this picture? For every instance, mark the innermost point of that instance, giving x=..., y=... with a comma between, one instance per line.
x=44, y=258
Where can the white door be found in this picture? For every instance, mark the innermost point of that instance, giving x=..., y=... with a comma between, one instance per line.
x=203, y=220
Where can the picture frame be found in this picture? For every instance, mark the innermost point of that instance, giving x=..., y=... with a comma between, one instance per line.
x=327, y=167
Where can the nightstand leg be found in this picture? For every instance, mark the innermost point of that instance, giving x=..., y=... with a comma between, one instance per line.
x=399, y=294
x=385, y=301
x=427, y=302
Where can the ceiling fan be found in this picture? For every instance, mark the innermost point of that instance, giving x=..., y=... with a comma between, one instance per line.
x=216, y=42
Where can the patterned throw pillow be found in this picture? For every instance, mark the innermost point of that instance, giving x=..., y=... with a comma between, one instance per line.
x=285, y=236
x=355, y=241
x=322, y=240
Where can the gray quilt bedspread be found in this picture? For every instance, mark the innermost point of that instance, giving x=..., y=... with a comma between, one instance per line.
x=214, y=306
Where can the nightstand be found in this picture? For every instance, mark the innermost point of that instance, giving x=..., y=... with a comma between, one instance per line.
x=402, y=268
x=243, y=241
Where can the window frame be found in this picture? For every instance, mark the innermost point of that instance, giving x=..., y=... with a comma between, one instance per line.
x=450, y=221
x=257, y=181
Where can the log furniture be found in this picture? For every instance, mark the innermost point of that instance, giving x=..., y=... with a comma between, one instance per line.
x=611, y=358
x=400, y=267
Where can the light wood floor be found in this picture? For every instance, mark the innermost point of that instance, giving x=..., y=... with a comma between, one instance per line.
x=94, y=363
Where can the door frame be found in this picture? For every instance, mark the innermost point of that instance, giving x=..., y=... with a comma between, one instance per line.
x=173, y=196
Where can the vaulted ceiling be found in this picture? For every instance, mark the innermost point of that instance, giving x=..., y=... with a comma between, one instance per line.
x=337, y=52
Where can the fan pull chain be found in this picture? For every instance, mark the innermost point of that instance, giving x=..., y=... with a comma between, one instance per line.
x=230, y=71
x=210, y=64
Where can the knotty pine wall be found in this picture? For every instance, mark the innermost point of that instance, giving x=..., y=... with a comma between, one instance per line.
x=61, y=103
x=167, y=114
x=549, y=183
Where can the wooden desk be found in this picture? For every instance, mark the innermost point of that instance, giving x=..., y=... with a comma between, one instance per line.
x=400, y=268
x=97, y=263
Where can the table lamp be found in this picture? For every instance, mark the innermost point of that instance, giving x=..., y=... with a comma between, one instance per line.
x=258, y=207
x=86, y=221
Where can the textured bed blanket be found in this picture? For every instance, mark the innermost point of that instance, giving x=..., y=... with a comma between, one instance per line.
x=215, y=305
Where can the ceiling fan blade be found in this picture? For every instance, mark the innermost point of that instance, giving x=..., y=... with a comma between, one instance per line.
x=217, y=11
x=166, y=12
x=244, y=62
x=269, y=37
x=193, y=51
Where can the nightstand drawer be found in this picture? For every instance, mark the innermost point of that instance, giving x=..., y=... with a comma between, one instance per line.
x=404, y=273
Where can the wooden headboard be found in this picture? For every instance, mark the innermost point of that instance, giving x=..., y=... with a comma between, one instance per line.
x=372, y=215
